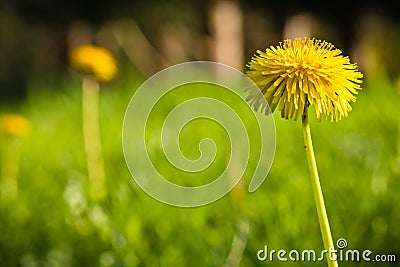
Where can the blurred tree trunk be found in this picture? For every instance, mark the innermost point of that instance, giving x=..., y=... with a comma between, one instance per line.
x=226, y=24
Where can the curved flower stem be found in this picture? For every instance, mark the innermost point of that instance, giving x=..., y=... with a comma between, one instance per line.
x=91, y=133
x=9, y=162
x=241, y=236
x=318, y=196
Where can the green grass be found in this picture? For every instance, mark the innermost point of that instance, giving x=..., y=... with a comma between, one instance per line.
x=54, y=223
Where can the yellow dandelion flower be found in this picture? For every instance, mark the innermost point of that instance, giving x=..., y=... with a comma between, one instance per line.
x=303, y=72
x=14, y=125
x=94, y=60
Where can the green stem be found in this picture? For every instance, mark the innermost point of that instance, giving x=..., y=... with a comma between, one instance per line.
x=91, y=133
x=318, y=196
x=9, y=163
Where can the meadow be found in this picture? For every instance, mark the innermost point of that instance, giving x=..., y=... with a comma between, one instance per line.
x=52, y=221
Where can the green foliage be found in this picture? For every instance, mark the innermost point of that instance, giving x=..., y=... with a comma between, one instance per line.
x=53, y=221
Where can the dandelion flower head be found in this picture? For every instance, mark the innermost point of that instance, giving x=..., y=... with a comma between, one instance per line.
x=303, y=72
x=14, y=125
x=94, y=60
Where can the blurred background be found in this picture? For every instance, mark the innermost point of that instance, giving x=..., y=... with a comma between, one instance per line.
x=47, y=215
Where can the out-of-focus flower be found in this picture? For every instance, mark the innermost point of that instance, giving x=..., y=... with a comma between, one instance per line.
x=303, y=72
x=14, y=125
x=94, y=60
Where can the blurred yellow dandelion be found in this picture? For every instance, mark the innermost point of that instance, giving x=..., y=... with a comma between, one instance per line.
x=94, y=60
x=99, y=65
x=303, y=72
x=14, y=125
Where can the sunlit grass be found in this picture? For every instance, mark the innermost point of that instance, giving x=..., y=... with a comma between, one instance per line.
x=357, y=163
